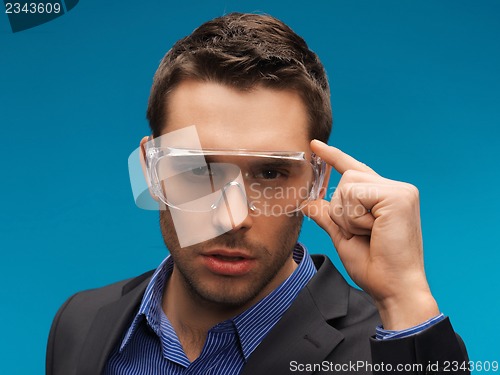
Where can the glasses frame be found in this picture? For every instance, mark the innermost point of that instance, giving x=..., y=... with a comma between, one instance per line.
x=153, y=155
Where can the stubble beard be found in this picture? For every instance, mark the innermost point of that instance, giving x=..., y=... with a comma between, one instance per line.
x=224, y=294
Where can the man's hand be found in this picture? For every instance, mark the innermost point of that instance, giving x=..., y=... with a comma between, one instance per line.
x=374, y=224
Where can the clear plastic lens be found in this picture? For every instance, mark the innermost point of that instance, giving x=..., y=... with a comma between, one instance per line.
x=209, y=192
x=271, y=185
x=180, y=175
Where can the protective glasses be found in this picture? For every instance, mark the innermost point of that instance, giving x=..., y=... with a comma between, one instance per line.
x=201, y=180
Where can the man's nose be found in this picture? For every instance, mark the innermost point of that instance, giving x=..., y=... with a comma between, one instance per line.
x=232, y=210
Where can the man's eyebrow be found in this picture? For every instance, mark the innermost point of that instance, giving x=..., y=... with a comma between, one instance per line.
x=193, y=159
x=275, y=163
x=262, y=162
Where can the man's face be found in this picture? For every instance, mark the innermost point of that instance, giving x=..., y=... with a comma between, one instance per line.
x=240, y=267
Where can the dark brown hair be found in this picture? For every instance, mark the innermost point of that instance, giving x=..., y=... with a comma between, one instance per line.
x=243, y=51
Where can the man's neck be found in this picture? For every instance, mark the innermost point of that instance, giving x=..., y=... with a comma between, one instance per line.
x=191, y=316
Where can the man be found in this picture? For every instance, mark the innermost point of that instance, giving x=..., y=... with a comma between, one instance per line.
x=249, y=299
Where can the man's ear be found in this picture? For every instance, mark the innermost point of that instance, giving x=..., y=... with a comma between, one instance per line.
x=142, y=156
x=324, y=188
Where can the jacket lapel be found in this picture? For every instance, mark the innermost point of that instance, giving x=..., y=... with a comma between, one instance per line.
x=109, y=325
x=303, y=333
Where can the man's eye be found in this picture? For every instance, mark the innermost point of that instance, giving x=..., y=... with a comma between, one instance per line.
x=269, y=174
x=201, y=171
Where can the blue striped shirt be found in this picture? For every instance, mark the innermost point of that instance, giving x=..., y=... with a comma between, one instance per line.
x=151, y=346
x=386, y=334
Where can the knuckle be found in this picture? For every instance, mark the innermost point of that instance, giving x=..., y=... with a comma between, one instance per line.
x=349, y=175
x=412, y=191
x=408, y=195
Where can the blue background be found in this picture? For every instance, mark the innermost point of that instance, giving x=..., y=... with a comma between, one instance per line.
x=415, y=93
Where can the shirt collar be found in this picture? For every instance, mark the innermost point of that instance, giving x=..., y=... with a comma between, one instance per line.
x=252, y=325
x=151, y=305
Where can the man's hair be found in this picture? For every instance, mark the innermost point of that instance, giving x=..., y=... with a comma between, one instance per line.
x=243, y=51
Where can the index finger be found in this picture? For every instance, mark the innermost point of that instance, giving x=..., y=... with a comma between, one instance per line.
x=338, y=159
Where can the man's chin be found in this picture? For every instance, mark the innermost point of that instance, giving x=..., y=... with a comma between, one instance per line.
x=231, y=300
x=226, y=296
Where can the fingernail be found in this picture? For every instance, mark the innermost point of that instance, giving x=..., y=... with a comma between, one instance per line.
x=317, y=141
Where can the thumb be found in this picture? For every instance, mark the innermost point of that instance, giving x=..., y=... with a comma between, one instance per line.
x=317, y=210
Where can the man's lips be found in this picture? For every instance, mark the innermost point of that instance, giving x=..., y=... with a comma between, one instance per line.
x=226, y=253
x=228, y=262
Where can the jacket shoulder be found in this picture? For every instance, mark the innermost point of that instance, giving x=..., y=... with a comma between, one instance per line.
x=74, y=319
x=84, y=304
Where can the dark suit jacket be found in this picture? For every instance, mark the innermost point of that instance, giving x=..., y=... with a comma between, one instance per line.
x=330, y=323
